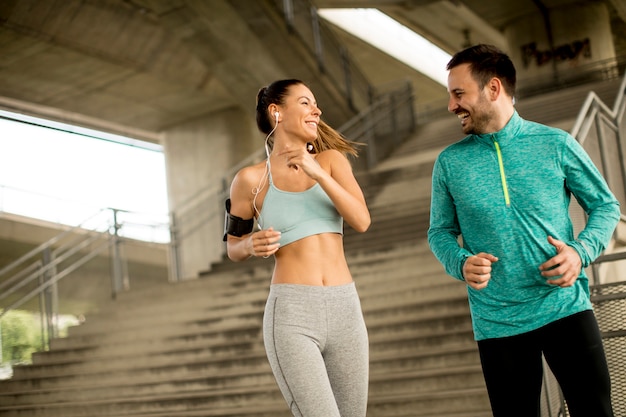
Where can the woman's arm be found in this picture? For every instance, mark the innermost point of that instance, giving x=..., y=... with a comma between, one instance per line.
x=332, y=170
x=339, y=183
x=255, y=243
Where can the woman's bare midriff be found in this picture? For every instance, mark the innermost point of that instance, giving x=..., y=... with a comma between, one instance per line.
x=314, y=260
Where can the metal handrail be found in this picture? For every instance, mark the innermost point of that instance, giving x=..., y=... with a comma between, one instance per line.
x=593, y=105
x=594, y=112
x=44, y=245
x=48, y=268
x=58, y=257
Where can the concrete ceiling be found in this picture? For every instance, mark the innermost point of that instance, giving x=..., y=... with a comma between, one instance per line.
x=138, y=67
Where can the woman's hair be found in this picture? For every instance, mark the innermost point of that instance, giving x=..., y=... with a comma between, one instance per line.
x=327, y=137
x=487, y=62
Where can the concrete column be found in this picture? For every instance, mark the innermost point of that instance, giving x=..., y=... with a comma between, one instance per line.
x=547, y=45
x=197, y=156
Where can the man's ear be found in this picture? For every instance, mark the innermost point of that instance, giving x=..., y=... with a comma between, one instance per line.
x=494, y=88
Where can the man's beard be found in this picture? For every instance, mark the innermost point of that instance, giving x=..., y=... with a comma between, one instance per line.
x=480, y=118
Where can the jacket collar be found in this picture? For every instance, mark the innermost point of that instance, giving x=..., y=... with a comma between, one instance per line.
x=506, y=135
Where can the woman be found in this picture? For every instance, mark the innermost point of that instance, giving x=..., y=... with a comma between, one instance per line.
x=313, y=327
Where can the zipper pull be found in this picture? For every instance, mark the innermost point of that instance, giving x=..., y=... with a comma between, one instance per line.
x=505, y=188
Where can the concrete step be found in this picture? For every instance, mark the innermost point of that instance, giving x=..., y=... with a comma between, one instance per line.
x=432, y=328
x=134, y=315
x=209, y=372
x=378, y=296
x=406, y=341
x=161, y=298
x=414, y=316
x=413, y=383
x=99, y=323
x=103, y=360
x=373, y=295
x=53, y=375
x=380, y=309
x=276, y=409
x=249, y=317
x=194, y=381
x=203, y=406
x=439, y=357
x=420, y=382
x=389, y=301
x=127, y=305
x=470, y=402
x=242, y=329
x=267, y=394
x=206, y=372
x=227, y=340
x=234, y=345
x=157, y=362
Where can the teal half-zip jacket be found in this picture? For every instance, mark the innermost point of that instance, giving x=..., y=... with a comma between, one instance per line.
x=504, y=193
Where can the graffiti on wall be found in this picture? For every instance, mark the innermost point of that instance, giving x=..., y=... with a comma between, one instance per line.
x=567, y=52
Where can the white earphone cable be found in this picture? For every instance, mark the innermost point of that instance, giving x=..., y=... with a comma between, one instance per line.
x=266, y=172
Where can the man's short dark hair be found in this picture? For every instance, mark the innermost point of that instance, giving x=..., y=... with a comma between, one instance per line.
x=487, y=62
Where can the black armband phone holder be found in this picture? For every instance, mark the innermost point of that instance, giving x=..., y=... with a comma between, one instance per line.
x=234, y=225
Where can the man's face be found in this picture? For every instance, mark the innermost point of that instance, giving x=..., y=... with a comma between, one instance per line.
x=470, y=103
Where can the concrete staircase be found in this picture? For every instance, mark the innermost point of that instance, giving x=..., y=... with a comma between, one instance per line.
x=195, y=348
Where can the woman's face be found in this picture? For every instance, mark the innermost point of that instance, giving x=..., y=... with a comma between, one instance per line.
x=299, y=114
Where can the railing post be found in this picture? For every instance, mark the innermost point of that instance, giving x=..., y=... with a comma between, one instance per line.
x=317, y=40
x=174, y=250
x=48, y=301
x=345, y=65
x=620, y=146
x=370, y=140
x=409, y=92
x=288, y=12
x=116, y=260
x=394, y=120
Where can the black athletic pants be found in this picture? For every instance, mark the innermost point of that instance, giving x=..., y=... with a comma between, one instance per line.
x=573, y=349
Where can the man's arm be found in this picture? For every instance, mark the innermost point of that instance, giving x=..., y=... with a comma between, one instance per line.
x=444, y=227
x=593, y=194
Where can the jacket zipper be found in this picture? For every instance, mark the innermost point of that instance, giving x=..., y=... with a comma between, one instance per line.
x=505, y=188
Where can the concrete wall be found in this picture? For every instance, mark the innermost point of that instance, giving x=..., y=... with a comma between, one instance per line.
x=580, y=32
x=198, y=155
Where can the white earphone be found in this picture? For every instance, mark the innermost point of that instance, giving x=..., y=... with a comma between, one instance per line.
x=276, y=114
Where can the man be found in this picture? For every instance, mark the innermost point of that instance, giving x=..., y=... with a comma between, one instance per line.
x=505, y=188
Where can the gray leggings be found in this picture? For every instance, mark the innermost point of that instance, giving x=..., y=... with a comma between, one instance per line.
x=317, y=346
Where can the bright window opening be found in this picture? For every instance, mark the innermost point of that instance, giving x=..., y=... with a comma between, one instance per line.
x=65, y=174
x=398, y=41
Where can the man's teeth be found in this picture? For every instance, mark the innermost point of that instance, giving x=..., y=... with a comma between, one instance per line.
x=462, y=115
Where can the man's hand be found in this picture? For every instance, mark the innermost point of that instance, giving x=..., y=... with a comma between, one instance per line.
x=477, y=270
x=566, y=264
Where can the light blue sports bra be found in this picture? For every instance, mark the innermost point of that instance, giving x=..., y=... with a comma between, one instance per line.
x=299, y=214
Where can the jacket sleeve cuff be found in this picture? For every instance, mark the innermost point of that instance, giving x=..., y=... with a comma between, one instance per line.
x=582, y=252
x=463, y=255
